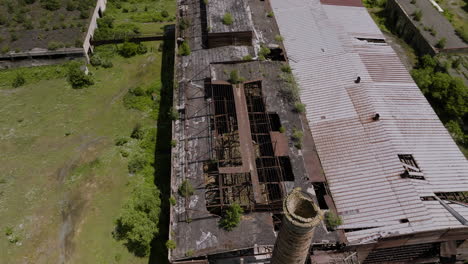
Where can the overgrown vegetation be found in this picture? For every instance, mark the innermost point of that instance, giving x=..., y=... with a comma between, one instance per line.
x=184, y=49
x=231, y=217
x=130, y=49
x=332, y=220
x=18, y=81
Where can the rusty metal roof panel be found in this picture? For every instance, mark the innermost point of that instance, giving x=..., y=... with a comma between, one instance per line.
x=329, y=47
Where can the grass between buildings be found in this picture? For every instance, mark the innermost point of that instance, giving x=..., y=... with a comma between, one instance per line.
x=63, y=180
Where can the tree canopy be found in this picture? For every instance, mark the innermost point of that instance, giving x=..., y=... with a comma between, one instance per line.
x=232, y=217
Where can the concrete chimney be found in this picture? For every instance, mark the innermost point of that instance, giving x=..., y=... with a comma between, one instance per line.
x=301, y=216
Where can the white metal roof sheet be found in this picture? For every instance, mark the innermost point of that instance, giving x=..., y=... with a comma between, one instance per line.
x=360, y=156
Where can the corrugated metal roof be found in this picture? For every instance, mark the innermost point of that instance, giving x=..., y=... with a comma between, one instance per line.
x=329, y=46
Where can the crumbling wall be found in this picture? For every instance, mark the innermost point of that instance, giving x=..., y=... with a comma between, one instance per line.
x=100, y=8
x=406, y=29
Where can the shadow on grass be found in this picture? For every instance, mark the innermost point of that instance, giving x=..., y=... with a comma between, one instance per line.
x=163, y=147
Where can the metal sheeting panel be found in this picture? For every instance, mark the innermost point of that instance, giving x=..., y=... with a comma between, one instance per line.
x=360, y=155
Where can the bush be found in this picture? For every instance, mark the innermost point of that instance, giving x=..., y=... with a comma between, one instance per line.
x=332, y=220
x=264, y=50
x=297, y=138
x=247, y=58
x=121, y=141
x=8, y=231
x=184, y=49
x=299, y=107
x=77, y=78
x=441, y=43
x=278, y=38
x=173, y=114
x=164, y=13
x=184, y=24
x=286, y=69
x=172, y=200
x=107, y=64
x=137, y=164
x=234, y=77
x=173, y=143
x=186, y=189
x=270, y=14
x=282, y=129
x=128, y=49
x=71, y=5
x=51, y=5
x=137, y=132
x=227, y=19
x=18, y=81
x=54, y=45
x=171, y=244
x=462, y=32
x=95, y=60
x=417, y=15
x=231, y=217
x=290, y=91
x=138, y=222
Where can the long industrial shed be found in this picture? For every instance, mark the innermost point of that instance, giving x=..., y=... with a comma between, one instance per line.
x=391, y=166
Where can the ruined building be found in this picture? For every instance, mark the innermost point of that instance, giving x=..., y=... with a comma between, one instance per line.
x=369, y=148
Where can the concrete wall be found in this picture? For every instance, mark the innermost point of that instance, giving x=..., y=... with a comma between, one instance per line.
x=100, y=7
x=405, y=28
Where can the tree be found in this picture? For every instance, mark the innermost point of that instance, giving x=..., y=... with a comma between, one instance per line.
x=423, y=78
x=231, y=217
x=18, y=81
x=456, y=131
x=77, y=78
x=138, y=222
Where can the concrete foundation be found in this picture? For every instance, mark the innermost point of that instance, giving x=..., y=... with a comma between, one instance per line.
x=301, y=216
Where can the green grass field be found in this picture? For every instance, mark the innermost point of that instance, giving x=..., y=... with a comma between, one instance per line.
x=63, y=180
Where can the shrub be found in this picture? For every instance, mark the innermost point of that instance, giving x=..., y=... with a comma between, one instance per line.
x=417, y=15
x=106, y=22
x=8, y=231
x=186, y=189
x=173, y=143
x=128, y=49
x=231, y=217
x=299, y=107
x=332, y=220
x=270, y=14
x=173, y=114
x=297, y=138
x=18, y=81
x=95, y=60
x=227, y=19
x=164, y=13
x=286, y=69
x=137, y=164
x=282, y=129
x=54, y=45
x=184, y=24
x=77, y=78
x=184, y=49
x=171, y=244
x=84, y=14
x=462, y=32
x=433, y=31
x=290, y=91
x=441, y=43
x=142, y=49
x=107, y=64
x=13, y=36
x=172, y=200
x=264, y=51
x=51, y=5
x=137, y=132
x=121, y=141
x=71, y=5
x=278, y=38
x=138, y=222
x=247, y=58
